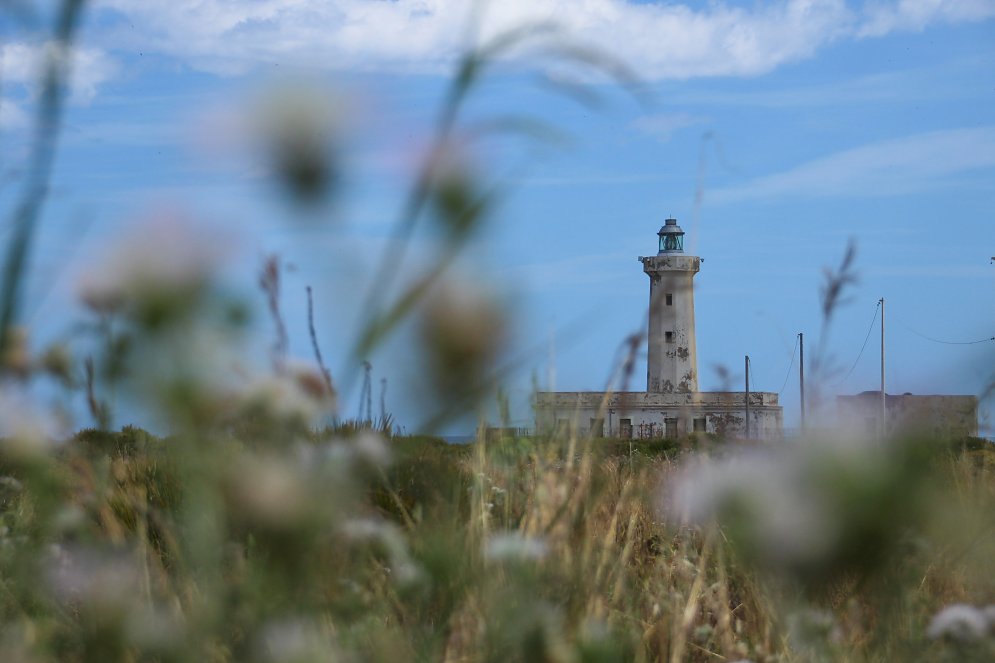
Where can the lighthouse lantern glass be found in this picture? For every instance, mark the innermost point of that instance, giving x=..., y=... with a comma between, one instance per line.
x=671, y=242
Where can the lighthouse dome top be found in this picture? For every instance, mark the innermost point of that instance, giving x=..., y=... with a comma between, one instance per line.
x=671, y=237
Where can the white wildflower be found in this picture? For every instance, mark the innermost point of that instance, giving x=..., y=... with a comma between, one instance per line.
x=960, y=622
x=348, y=454
x=371, y=448
x=297, y=393
x=511, y=546
x=389, y=538
x=294, y=640
x=166, y=255
x=366, y=529
x=790, y=509
x=268, y=492
x=69, y=518
x=808, y=626
x=103, y=582
x=790, y=523
x=464, y=330
x=299, y=125
x=154, y=630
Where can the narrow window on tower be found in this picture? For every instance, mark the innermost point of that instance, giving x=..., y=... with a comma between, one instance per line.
x=670, y=299
x=669, y=337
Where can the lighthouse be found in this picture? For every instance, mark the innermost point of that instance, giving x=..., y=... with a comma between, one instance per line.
x=671, y=406
x=672, y=363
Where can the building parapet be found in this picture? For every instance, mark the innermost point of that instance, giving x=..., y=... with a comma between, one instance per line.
x=650, y=400
x=916, y=413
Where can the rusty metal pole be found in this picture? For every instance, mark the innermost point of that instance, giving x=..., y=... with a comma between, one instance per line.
x=801, y=374
x=884, y=413
x=747, y=361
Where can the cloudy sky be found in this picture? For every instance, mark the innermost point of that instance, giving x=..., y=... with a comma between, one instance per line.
x=774, y=130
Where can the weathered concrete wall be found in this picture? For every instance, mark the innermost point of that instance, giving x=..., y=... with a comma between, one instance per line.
x=929, y=415
x=672, y=361
x=646, y=415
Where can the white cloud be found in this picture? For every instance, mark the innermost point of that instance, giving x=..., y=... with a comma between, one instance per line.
x=90, y=67
x=661, y=40
x=891, y=86
x=914, y=15
x=892, y=167
x=663, y=126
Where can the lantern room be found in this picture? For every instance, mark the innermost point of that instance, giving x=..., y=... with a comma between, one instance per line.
x=671, y=237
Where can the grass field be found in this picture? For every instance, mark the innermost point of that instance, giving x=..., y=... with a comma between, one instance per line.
x=126, y=547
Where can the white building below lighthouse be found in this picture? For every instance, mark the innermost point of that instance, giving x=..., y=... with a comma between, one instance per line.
x=671, y=406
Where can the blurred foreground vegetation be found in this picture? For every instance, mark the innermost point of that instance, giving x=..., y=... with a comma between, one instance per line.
x=356, y=547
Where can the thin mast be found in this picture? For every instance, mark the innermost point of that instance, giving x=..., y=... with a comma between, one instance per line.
x=801, y=374
x=747, y=361
x=884, y=414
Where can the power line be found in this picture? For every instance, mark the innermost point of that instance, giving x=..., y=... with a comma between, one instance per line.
x=790, y=364
x=877, y=308
x=936, y=340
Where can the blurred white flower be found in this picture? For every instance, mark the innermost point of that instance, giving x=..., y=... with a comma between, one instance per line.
x=154, y=630
x=269, y=492
x=291, y=641
x=464, y=330
x=961, y=622
x=808, y=626
x=790, y=523
x=298, y=392
x=299, y=125
x=371, y=448
x=511, y=546
x=101, y=582
x=455, y=190
x=163, y=255
x=342, y=461
x=808, y=508
x=69, y=519
x=390, y=539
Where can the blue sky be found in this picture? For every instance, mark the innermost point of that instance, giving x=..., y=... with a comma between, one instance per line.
x=800, y=123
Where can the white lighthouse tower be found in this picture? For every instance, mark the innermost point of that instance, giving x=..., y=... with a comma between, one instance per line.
x=672, y=364
x=671, y=406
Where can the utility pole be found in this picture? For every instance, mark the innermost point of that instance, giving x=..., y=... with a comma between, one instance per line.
x=365, y=395
x=747, y=361
x=383, y=399
x=884, y=422
x=801, y=374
